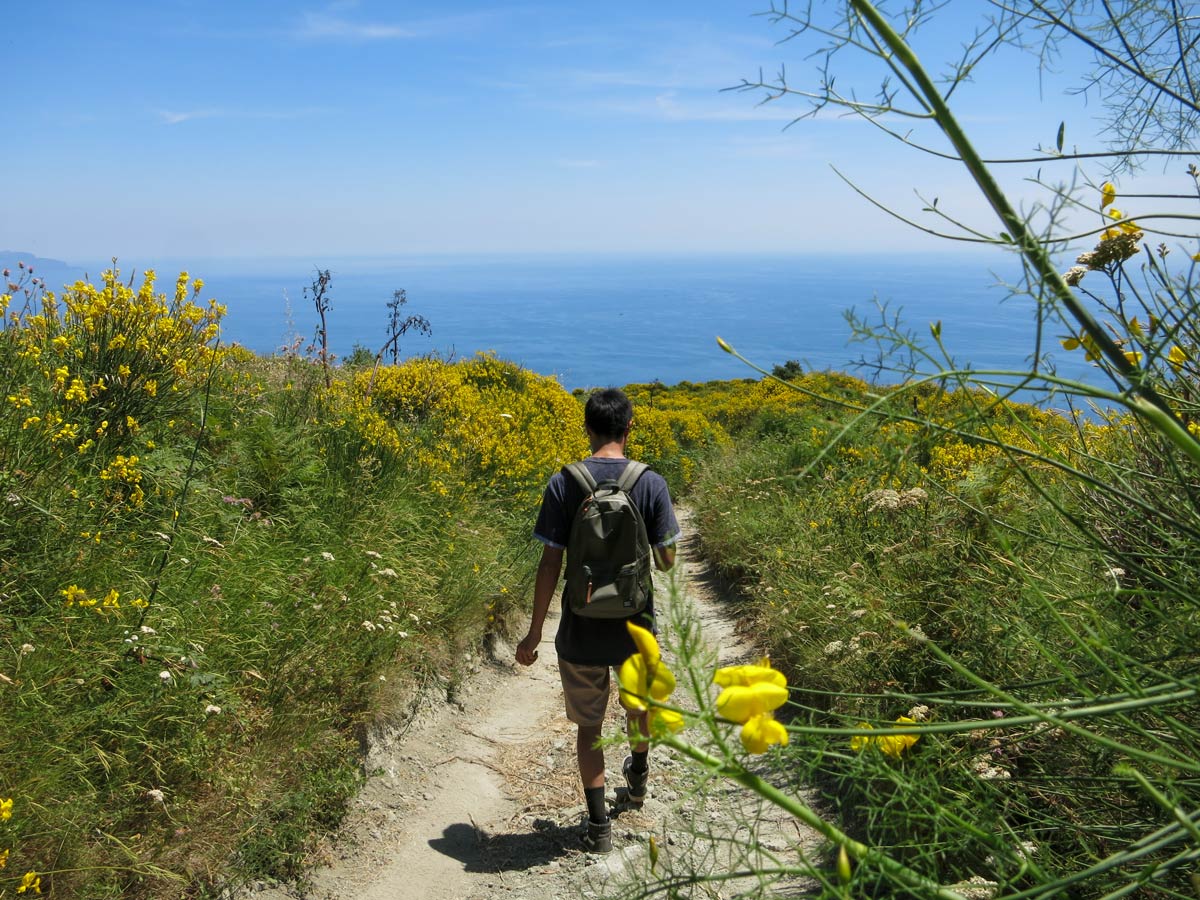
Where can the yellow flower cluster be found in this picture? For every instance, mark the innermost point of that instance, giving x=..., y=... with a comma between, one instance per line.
x=750, y=696
x=74, y=595
x=31, y=881
x=889, y=743
x=646, y=681
x=108, y=357
x=484, y=421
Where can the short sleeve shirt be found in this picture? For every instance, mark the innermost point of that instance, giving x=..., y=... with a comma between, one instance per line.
x=602, y=642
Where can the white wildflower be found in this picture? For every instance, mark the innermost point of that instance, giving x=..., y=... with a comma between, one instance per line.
x=327, y=556
x=155, y=796
x=1074, y=275
x=402, y=634
x=982, y=767
x=162, y=536
x=857, y=613
x=212, y=710
x=146, y=629
x=368, y=625
x=26, y=649
x=976, y=888
x=387, y=573
x=164, y=676
x=212, y=540
x=919, y=713
x=885, y=498
x=373, y=554
x=414, y=617
x=833, y=648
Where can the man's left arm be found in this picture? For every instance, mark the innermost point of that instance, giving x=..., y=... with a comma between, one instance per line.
x=665, y=527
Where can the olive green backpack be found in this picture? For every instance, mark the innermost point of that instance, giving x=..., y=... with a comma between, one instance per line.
x=608, y=552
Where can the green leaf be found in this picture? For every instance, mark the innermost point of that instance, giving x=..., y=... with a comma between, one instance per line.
x=1062, y=131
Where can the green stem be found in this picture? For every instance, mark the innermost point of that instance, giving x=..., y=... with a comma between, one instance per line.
x=805, y=814
x=1017, y=229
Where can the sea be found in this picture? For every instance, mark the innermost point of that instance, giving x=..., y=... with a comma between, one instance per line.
x=592, y=321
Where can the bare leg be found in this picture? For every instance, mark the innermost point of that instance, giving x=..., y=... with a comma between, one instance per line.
x=591, y=757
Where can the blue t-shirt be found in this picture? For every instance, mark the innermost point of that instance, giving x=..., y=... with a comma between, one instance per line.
x=602, y=642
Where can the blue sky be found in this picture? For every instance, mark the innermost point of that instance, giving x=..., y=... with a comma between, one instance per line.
x=267, y=129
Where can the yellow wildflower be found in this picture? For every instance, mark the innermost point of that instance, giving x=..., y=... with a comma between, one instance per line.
x=643, y=675
x=889, y=744
x=111, y=601
x=1133, y=357
x=1108, y=193
x=1177, y=357
x=31, y=882
x=895, y=744
x=665, y=720
x=6, y=809
x=760, y=732
x=749, y=695
x=77, y=391
x=859, y=742
x=73, y=594
x=3, y=858
x=139, y=602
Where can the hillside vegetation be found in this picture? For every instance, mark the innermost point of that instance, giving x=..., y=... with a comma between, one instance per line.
x=216, y=573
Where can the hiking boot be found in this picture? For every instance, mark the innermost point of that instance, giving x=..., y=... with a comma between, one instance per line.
x=635, y=780
x=598, y=837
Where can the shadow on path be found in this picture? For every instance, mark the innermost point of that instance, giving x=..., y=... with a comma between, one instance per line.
x=479, y=851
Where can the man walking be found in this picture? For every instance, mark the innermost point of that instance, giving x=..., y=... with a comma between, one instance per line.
x=589, y=647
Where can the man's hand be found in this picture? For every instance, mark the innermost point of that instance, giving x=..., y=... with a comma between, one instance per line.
x=527, y=652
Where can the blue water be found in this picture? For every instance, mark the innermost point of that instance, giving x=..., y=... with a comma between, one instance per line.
x=601, y=321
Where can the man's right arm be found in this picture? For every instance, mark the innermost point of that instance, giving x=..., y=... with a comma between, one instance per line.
x=548, y=572
x=664, y=557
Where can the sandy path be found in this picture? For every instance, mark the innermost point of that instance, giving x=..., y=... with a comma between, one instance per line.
x=479, y=799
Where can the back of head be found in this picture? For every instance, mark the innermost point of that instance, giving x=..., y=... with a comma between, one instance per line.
x=608, y=413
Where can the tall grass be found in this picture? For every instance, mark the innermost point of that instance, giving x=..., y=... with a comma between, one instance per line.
x=215, y=574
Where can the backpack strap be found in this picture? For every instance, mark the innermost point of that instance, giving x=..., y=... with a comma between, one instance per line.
x=629, y=477
x=582, y=477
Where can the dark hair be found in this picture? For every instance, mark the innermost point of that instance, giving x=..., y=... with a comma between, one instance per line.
x=608, y=413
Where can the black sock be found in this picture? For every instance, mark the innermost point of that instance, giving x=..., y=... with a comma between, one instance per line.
x=641, y=761
x=597, y=809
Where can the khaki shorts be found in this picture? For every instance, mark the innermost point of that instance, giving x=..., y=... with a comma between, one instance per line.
x=585, y=690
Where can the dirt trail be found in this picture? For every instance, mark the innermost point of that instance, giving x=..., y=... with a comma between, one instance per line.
x=479, y=799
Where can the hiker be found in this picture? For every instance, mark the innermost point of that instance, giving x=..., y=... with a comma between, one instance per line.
x=588, y=647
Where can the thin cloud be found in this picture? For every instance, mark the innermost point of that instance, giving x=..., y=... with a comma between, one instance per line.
x=319, y=26
x=177, y=117
x=328, y=26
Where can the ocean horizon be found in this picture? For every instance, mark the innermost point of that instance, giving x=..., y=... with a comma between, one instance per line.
x=611, y=320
